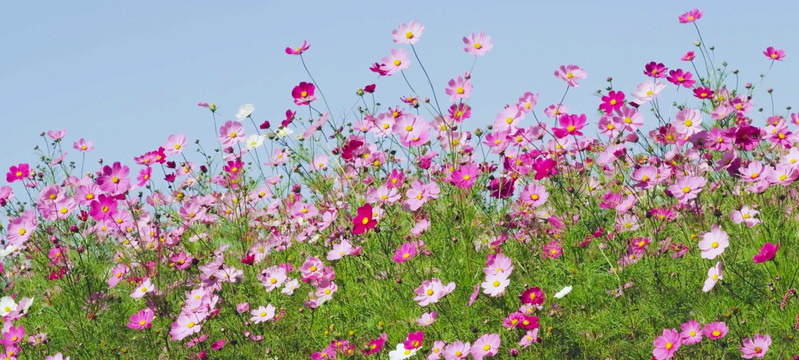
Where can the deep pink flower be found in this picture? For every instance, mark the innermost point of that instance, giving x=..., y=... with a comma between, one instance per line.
x=477, y=44
x=774, y=54
x=703, y=93
x=104, y=207
x=690, y=16
x=465, y=176
x=570, y=125
x=141, y=320
x=363, y=221
x=298, y=50
x=19, y=172
x=766, y=253
x=715, y=330
x=679, y=77
x=414, y=340
x=689, y=56
x=14, y=335
x=666, y=345
x=534, y=296
x=375, y=345
x=303, y=93
x=612, y=102
x=655, y=70
x=570, y=74
x=114, y=179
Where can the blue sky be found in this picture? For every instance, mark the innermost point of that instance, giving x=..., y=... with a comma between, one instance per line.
x=128, y=74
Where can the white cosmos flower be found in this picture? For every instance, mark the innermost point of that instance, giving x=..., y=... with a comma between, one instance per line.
x=254, y=141
x=10, y=249
x=245, y=111
x=283, y=132
x=563, y=292
x=401, y=353
x=8, y=305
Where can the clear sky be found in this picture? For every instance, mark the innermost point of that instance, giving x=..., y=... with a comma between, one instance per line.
x=126, y=74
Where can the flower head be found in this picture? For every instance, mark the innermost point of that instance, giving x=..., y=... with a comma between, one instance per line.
x=690, y=16
x=408, y=33
x=766, y=253
x=298, y=50
x=667, y=344
x=570, y=74
x=477, y=44
x=774, y=54
x=755, y=347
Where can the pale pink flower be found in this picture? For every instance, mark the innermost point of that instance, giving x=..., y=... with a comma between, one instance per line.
x=477, y=44
x=571, y=74
x=713, y=243
x=408, y=33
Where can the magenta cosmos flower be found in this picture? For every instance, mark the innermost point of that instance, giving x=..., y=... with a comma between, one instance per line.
x=141, y=320
x=465, y=176
x=303, y=93
x=612, y=102
x=363, y=221
x=774, y=54
x=690, y=16
x=766, y=253
x=477, y=44
x=408, y=33
x=755, y=347
x=713, y=243
x=18, y=173
x=486, y=345
x=406, y=252
x=459, y=89
x=298, y=50
x=397, y=61
x=570, y=74
x=679, y=77
x=667, y=344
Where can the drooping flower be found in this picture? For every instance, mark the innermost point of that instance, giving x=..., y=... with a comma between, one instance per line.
x=427, y=319
x=244, y=111
x=477, y=44
x=713, y=277
x=298, y=50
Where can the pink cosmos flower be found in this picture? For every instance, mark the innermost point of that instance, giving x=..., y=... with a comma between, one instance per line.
x=57, y=356
x=774, y=54
x=457, y=350
x=647, y=91
x=687, y=188
x=262, y=314
x=755, y=347
x=420, y=193
x=553, y=249
x=430, y=291
x=114, y=179
x=508, y=118
x=570, y=125
x=534, y=195
x=612, y=102
x=57, y=135
x=495, y=285
x=303, y=93
x=713, y=243
x=83, y=145
x=713, y=277
x=766, y=253
x=486, y=345
x=363, y=221
x=397, y=61
x=231, y=133
x=629, y=119
x=690, y=16
x=666, y=345
x=530, y=337
x=21, y=228
x=145, y=287
x=459, y=89
x=186, y=325
x=533, y=296
x=427, y=319
x=408, y=33
x=527, y=102
x=406, y=252
x=570, y=74
x=477, y=44
x=141, y=320
x=298, y=50
x=174, y=144
x=715, y=330
x=12, y=336
x=745, y=215
x=340, y=250
x=679, y=77
x=689, y=56
x=691, y=332
x=465, y=176
x=144, y=176
x=116, y=275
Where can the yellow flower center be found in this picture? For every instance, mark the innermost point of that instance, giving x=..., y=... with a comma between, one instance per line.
x=669, y=346
x=714, y=245
x=397, y=62
x=409, y=35
x=365, y=221
x=686, y=189
x=460, y=90
x=688, y=122
x=716, y=333
x=496, y=284
x=571, y=128
x=478, y=46
x=190, y=325
x=429, y=291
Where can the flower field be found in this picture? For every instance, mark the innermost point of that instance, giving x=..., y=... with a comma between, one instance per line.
x=641, y=228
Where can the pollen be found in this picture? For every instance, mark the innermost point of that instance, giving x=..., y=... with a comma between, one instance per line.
x=571, y=128
x=409, y=128
x=397, y=62
x=714, y=245
x=496, y=284
x=429, y=291
x=686, y=189
x=478, y=46
x=304, y=94
x=509, y=120
x=460, y=90
x=409, y=35
x=365, y=221
x=688, y=122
